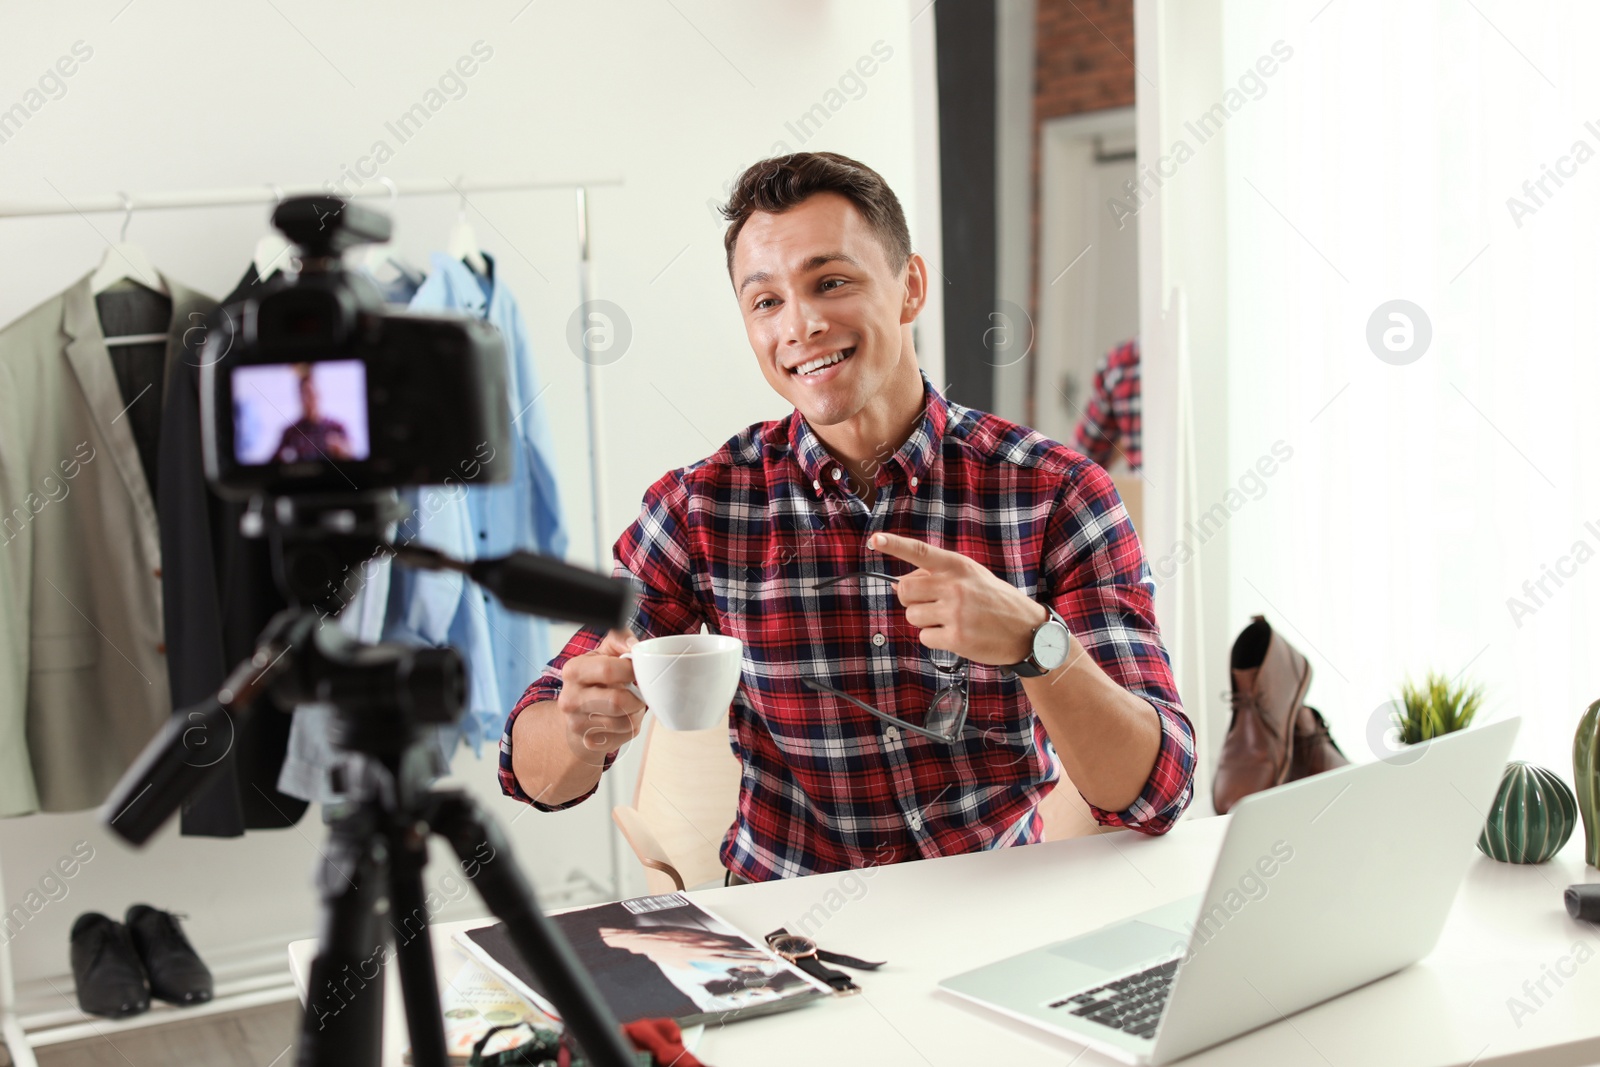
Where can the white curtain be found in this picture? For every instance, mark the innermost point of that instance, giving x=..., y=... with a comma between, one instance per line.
x=1434, y=514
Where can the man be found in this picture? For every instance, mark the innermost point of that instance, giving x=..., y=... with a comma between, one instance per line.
x=996, y=534
x=311, y=437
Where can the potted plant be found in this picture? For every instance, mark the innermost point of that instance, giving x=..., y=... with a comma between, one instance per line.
x=1436, y=707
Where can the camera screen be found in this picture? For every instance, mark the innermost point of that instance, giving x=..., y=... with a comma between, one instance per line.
x=300, y=412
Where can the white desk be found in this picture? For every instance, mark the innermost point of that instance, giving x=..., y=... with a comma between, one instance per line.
x=934, y=918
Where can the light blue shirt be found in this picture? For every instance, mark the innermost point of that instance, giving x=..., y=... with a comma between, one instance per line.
x=504, y=650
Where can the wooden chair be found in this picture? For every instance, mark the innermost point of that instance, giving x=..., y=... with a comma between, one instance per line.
x=684, y=802
x=688, y=791
x=1131, y=488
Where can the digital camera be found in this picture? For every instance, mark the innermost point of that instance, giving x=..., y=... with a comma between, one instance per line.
x=314, y=386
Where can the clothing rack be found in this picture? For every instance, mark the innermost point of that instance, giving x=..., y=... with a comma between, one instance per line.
x=252, y=982
x=269, y=193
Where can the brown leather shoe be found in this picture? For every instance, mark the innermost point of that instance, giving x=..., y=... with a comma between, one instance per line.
x=1315, y=750
x=1270, y=680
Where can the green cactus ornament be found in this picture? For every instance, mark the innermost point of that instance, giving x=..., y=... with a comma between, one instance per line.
x=1586, y=776
x=1531, y=818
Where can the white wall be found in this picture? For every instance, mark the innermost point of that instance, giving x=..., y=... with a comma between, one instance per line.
x=1182, y=305
x=1427, y=497
x=673, y=98
x=1381, y=151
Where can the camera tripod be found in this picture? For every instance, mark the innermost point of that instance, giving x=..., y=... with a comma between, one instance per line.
x=385, y=699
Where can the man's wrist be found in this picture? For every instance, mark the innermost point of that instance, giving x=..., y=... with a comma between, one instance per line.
x=1034, y=617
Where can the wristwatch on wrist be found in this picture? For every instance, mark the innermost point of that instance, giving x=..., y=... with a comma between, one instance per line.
x=1051, y=643
x=804, y=954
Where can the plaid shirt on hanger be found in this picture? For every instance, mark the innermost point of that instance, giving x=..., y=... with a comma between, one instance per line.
x=1113, y=423
x=736, y=542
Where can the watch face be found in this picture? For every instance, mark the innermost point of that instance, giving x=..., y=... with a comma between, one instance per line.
x=1050, y=645
x=792, y=946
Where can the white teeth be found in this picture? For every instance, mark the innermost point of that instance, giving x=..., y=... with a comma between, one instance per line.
x=818, y=363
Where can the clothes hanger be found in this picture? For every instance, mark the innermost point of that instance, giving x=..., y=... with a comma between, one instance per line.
x=463, y=243
x=127, y=262
x=273, y=250
x=382, y=261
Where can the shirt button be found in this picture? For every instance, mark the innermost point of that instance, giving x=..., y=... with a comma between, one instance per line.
x=878, y=640
x=914, y=821
x=913, y=481
x=892, y=733
x=836, y=473
x=816, y=484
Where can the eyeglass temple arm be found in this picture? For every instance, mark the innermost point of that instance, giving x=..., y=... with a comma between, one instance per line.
x=870, y=710
x=856, y=574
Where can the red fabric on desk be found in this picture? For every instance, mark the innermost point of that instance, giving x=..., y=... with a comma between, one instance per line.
x=663, y=1040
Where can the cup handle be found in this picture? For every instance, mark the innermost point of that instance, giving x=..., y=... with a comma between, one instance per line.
x=632, y=688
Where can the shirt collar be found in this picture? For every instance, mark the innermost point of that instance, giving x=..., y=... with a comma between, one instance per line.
x=914, y=457
x=469, y=291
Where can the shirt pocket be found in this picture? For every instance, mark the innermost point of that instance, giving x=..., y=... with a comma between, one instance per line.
x=63, y=652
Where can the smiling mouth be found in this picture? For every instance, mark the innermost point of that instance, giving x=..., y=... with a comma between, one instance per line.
x=814, y=365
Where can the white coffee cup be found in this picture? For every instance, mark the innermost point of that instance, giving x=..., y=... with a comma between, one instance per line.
x=687, y=680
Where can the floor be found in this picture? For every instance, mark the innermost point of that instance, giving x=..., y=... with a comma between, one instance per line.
x=257, y=1037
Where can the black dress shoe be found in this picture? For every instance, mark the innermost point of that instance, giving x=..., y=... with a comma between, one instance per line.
x=106, y=968
x=177, y=975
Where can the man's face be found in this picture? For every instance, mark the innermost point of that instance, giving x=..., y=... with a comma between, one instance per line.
x=815, y=283
x=308, y=399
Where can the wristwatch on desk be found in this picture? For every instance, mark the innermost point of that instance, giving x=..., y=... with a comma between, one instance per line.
x=1051, y=643
x=804, y=954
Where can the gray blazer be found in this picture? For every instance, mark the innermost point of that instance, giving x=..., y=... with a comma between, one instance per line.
x=83, y=676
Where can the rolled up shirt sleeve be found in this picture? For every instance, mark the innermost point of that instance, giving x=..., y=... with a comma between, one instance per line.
x=1095, y=575
x=654, y=554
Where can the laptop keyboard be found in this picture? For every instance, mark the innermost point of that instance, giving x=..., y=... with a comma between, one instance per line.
x=1132, y=1004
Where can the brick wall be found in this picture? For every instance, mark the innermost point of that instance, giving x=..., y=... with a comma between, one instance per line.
x=1083, y=57
x=1083, y=61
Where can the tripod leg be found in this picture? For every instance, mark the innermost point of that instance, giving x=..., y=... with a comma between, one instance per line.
x=343, y=1021
x=408, y=916
x=486, y=855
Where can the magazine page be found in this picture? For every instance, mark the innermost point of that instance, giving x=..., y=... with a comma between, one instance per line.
x=473, y=999
x=660, y=957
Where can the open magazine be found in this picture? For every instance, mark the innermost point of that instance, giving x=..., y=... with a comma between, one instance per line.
x=659, y=957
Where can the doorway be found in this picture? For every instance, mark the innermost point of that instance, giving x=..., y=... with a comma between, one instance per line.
x=1088, y=261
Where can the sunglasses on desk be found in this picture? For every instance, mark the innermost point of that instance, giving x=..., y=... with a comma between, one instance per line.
x=947, y=714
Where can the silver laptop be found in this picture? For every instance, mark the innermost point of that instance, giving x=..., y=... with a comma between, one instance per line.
x=1353, y=870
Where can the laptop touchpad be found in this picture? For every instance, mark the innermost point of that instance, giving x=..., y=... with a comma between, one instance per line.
x=1116, y=948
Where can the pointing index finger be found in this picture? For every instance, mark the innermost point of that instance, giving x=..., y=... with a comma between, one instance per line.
x=911, y=550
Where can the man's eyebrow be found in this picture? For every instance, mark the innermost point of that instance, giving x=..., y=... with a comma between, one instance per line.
x=820, y=260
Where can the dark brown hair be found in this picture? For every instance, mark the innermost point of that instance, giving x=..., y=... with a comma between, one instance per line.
x=775, y=185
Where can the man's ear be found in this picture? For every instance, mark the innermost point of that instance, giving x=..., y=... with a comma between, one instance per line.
x=916, y=289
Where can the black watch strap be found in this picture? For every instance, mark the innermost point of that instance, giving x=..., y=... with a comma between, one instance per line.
x=847, y=961
x=841, y=982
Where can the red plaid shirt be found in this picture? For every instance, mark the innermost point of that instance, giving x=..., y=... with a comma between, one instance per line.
x=1113, y=423
x=736, y=542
